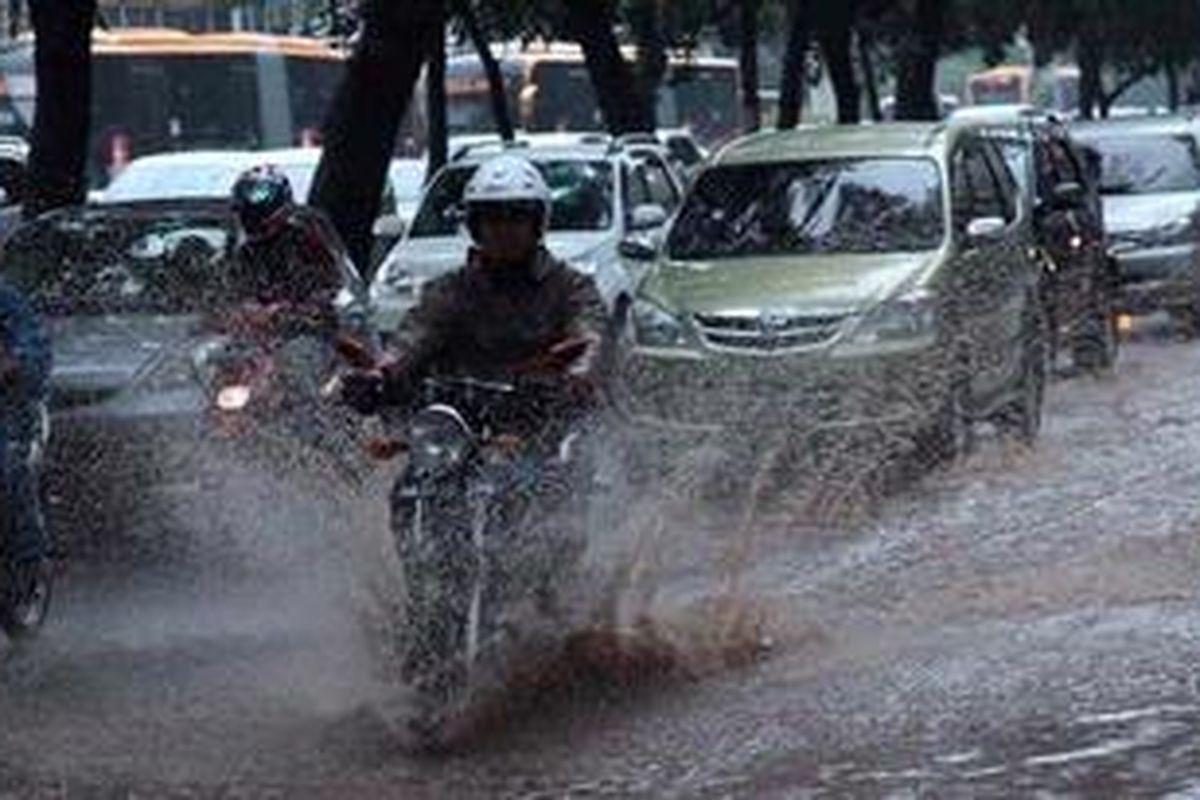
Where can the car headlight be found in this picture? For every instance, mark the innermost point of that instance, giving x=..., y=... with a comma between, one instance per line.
x=439, y=441
x=654, y=326
x=399, y=280
x=904, y=322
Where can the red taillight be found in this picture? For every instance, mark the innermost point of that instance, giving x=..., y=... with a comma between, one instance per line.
x=120, y=153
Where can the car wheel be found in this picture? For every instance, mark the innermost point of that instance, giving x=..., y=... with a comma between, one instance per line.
x=1021, y=418
x=25, y=603
x=950, y=437
x=951, y=433
x=1095, y=344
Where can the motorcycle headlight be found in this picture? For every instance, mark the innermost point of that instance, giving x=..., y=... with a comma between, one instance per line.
x=439, y=441
x=654, y=326
x=904, y=322
x=232, y=399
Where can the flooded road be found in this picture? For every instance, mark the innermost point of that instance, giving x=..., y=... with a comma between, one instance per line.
x=1023, y=623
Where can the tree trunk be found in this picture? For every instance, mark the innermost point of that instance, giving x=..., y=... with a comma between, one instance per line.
x=751, y=107
x=866, y=60
x=590, y=23
x=62, y=117
x=916, y=96
x=491, y=68
x=1173, y=90
x=836, y=38
x=795, y=67
x=360, y=132
x=435, y=88
x=652, y=59
x=1090, y=88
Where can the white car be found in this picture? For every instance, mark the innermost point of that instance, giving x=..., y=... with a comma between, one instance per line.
x=210, y=174
x=610, y=197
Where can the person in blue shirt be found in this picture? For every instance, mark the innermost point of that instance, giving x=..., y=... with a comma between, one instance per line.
x=24, y=383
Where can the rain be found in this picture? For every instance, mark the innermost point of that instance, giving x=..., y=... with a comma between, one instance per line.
x=599, y=399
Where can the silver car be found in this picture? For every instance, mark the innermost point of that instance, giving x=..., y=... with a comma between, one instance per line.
x=1150, y=182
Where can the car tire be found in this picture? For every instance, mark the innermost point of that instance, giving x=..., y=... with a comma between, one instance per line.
x=950, y=437
x=25, y=600
x=1096, y=344
x=1021, y=418
x=951, y=433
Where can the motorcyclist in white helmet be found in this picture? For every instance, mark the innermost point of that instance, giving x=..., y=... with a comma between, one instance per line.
x=512, y=306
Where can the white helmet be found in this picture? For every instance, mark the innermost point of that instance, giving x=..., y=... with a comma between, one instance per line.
x=509, y=181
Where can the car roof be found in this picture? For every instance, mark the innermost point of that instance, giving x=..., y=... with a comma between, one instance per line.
x=902, y=139
x=545, y=146
x=288, y=156
x=1134, y=126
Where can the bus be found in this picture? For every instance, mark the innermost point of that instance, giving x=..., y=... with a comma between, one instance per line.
x=549, y=89
x=159, y=89
x=1055, y=87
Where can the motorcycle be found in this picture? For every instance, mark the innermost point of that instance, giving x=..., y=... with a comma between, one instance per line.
x=25, y=589
x=268, y=394
x=487, y=523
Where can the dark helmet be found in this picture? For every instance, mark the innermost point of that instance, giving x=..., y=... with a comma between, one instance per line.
x=262, y=196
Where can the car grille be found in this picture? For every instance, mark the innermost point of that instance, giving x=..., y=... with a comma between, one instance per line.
x=767, y=332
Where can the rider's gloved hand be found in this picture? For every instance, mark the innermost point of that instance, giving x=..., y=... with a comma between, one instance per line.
x=364, y=391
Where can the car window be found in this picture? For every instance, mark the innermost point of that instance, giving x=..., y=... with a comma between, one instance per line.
x=648, y=182
x=635, y=190
x=976, y=191
x=871, y=205
x=684, y=151
x=97, y=263
x=582, y=194
x=1004, y=178
x=1147, y=164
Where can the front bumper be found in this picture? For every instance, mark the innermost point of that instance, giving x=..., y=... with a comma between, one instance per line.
x=109, y=464
x=1155, y=278
x=703, y=391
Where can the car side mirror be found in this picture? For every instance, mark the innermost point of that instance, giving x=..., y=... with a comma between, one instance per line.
x=637, y=249
x=1068, y=194
x=982, y=229
x=389, y=226
x=647, y=217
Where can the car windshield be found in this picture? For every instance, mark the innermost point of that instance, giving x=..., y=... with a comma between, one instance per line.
x=172, y=181
x=582, y=192
x=98, y=263
x=1148, y=164
x=834, y=206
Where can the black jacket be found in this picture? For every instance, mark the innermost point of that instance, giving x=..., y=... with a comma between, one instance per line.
x=300, y=266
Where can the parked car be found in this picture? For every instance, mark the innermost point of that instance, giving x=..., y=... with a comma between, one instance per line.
x=210, y=175
x=606, y=192
x=876, y=276
x=1060, y=181
x=125, y=290
x=1150, y=183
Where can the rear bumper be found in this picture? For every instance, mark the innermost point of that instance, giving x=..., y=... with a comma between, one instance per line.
x=1156, y=278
